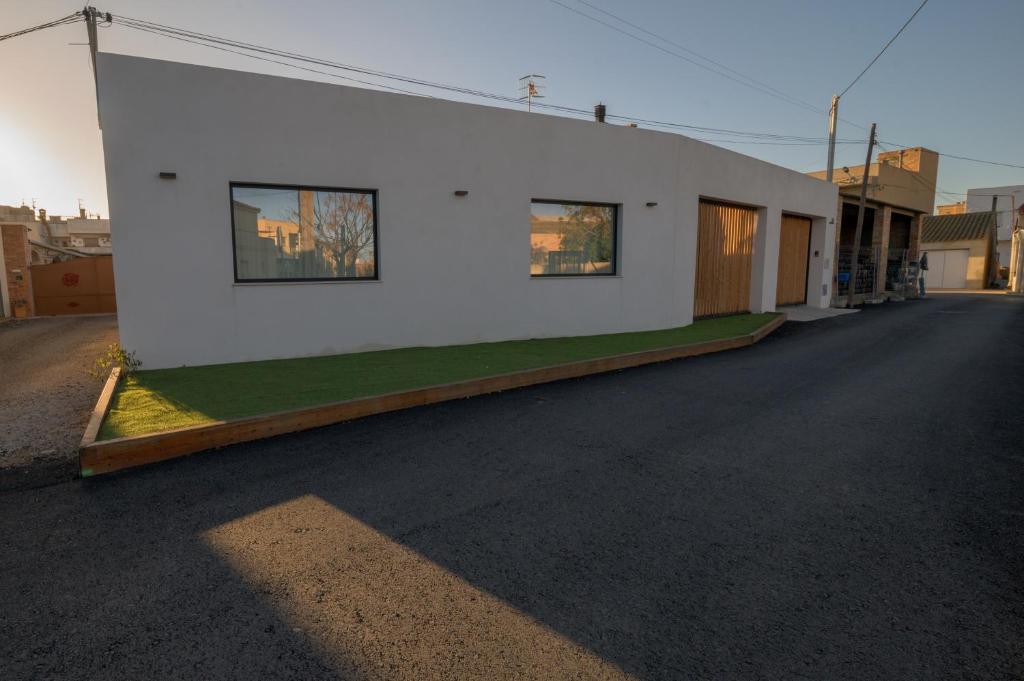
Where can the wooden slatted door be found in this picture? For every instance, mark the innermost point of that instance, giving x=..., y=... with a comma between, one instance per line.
x=76, y=286
x=725, y=247
x=794, y=247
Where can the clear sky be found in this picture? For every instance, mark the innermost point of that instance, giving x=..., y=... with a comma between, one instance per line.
x=952, y=82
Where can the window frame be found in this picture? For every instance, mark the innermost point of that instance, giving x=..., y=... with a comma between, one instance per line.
x=373, y=193
x=615, y=207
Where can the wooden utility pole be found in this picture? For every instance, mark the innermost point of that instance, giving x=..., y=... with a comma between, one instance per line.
x=993, y=266
x=90, y=26
x=852, y=286
x=832, y=116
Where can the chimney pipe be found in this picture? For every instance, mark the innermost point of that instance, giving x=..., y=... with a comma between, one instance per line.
x=599, y=111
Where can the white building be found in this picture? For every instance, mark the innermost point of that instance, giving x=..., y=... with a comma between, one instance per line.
x=1008, y=200
x=328, y=219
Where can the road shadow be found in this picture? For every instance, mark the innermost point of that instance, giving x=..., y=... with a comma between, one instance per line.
x=718, y=517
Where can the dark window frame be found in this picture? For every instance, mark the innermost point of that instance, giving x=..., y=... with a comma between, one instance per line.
x=302, y=187
x=615, y=238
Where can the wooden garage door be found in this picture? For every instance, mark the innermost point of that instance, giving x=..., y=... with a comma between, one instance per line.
x=77, y=286
x=725, y=247
x=794, y=243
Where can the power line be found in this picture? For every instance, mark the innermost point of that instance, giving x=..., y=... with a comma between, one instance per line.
x=979, y=160
x=790, y=98
x=226, y=44
x=964, y=158
x=69, y=19
x=768, y=90
x=882, y=51
x=273, y=61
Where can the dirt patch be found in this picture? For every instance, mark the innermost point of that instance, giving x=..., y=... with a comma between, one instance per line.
x=47, y=394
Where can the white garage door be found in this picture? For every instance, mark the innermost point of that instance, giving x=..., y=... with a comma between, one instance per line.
x=946, y=269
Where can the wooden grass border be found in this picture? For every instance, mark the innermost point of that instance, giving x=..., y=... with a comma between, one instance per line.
x=106, y=456
x=99, y=412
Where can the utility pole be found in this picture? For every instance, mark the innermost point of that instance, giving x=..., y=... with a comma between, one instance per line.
x=1016, y=234
x=993, y=272
x=852, y=286
x=832, y=116
x=90, y=26
x=1017, y=255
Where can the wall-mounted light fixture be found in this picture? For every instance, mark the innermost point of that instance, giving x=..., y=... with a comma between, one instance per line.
x=166, y=175
x=652, y=204
x=461, y=192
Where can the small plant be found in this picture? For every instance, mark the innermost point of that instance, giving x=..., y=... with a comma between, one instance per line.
x=115, y=356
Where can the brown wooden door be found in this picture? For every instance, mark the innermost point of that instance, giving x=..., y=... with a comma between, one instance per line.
x=77, y=286
x=794, y=244
x=725, y=247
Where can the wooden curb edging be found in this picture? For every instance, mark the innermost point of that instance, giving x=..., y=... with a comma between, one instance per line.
x=106, y=456
x=99, y=412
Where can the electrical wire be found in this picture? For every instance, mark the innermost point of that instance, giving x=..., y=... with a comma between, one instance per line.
x=246, y=49
x=243, y=48
x=69, y=19
x=793, y=99
x=886, y=47
x=753, y=84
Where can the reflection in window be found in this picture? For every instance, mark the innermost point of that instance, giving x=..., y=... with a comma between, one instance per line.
x=296, y=233
x=572, y=238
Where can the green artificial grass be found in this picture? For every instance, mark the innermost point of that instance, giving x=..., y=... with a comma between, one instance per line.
x=162, y=399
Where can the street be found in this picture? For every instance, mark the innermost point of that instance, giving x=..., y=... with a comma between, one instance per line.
x=841, y=501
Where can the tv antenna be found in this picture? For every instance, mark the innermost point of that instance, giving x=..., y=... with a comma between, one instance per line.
x=531, y=87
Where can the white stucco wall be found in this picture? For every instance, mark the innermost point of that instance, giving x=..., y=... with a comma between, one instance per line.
x=1010, y=198
x=452, y=270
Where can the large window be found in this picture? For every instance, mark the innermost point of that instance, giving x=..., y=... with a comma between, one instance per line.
x=572, y=239
x=284, y=233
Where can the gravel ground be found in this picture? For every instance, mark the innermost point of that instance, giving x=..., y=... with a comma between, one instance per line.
x=841, y=501
x=47, y=395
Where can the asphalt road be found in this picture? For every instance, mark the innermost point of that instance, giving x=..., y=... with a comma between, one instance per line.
x=843, y=501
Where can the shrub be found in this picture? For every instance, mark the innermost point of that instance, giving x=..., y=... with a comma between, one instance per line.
x=115, y=356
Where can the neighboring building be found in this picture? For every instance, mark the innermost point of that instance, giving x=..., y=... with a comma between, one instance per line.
x=83, y=234
x=1009, y=200
x=900, y=192
x=423, y=221
x=961, y=250
x=16, y=299
x=56, y=239
x=951, y=208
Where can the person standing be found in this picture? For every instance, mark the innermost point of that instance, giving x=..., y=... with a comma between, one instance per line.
x=923, y=267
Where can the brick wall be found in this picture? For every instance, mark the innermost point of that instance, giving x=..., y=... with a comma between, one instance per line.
x=15, y=269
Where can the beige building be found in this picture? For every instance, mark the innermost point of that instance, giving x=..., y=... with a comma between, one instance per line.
x=900, y=193
x=951, y=208
x=961, y=250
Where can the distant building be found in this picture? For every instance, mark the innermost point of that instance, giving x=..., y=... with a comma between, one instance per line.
x=900, y=193
x=1009, y=199
x=86, y=235
x=958, y=208
x=961, y=250
x=53, y=238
